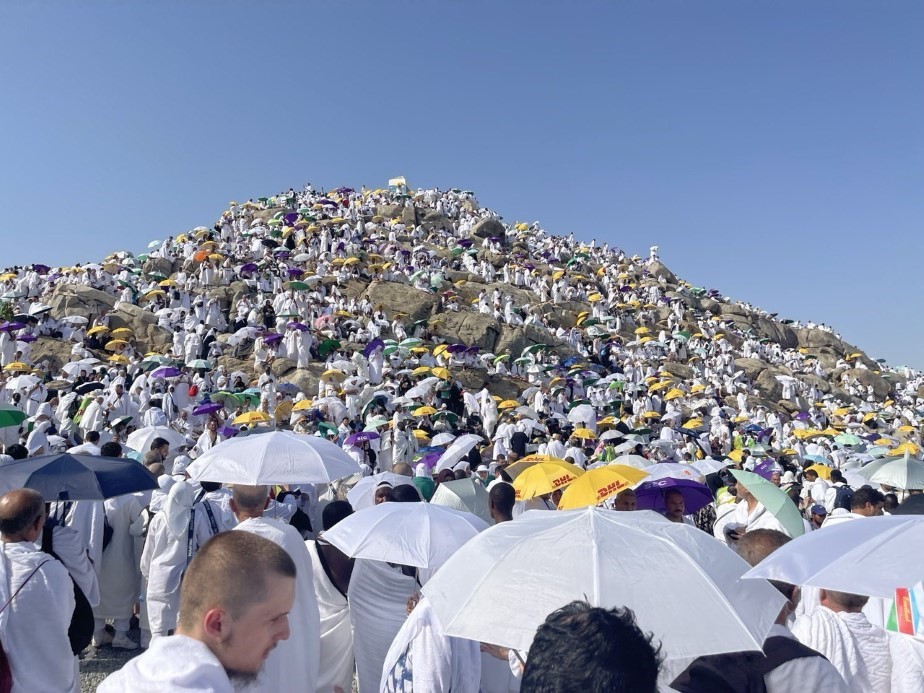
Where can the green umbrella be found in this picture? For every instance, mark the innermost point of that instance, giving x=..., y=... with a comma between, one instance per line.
x=448, y=415
x=326, y=428
x=11, y=416
x=847, y=439
x=199, y=363
x=774, y=500
x=327, y=346
x=299, y=286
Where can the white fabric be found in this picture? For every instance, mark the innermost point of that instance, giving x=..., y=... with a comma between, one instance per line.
x=797, y=673
x=439, y=663
x=336, y=631
x=378, y=597
x=177, y=664
x=33, y=628
x=293, y=664
x=71, y=551
x=119, y=577
x=858, y=650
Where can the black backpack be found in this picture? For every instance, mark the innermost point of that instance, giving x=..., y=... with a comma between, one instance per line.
x=80, y=632
x=843, y=497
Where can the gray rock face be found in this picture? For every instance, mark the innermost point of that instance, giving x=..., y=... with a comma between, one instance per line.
x=487, y=228
x=68, y=299
x=473, y=329
x=401, y=298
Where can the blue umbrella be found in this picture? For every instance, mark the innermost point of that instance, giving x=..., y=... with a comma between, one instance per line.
x=63, y=476
x=650, y=494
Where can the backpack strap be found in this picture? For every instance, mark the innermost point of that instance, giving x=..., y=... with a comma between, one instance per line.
x=208, y=511
x=190, y=535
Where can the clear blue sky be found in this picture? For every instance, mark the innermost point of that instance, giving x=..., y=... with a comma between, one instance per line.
x=773, y=150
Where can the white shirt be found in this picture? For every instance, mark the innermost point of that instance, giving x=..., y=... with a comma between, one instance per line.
x=174, y=664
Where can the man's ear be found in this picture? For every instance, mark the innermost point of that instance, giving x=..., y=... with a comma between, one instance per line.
x=213, y=623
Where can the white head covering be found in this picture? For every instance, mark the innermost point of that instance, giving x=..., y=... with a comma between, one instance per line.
x=177, y=508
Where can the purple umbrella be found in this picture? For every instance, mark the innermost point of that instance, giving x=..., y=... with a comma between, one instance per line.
x=207, y=408
x=271, y=337
x=295, y=272
x=650, y=494
x=456, y=348
x=372, y=346
x=431, y=458
x=361, y=437
x=41, y=269
x=249, y=267
x=344, y=191
x=228, y=431
x=26, y=338
x=802, y=416
x=466, y=243
x=165, y=372
x=297, y=326
x=766, y=468
x=472, y=350
x=290, y=218
x=11, y=326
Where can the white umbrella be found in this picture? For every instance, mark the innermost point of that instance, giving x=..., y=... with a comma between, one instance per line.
x=455, y=452
x=585, y=414
x=528, y=412
x=636, y=461
x=75, y=320
x=141, y=439
x=667, y=573
x=278, y=457
x=672, y=470
x=360, y=496
x=709, y=465
x=444, y=438
x=21, y=382
x=611, y=434
x=904, y=472
x=416, y=534
x=468, y=495
x=870, y=556
x=39, y=308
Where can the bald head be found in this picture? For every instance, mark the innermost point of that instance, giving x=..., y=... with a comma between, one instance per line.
x=403, y=469
x=230, y=573
x=249, y=501
x=757, y=544
x=20, y=511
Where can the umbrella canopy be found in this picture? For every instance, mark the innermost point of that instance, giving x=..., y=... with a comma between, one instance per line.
x=444, y=438
x=11, y=416
x=207, y=408
x=199, y=363
x=249, y=417
x=905, y=472
x=277, y=457
x=673, y=470
x=467, y=495
x=544, y=478
x=422, y=535
x=650, y=494
x=360, y=496
x=141, y=439
x=611, y=559
x=871, y=556
x=361, y=437
x=595, y=486
x=64, y=476
x=775, y=500
x=460, y=448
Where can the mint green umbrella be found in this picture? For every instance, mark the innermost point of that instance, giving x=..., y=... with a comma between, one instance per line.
x=774, y=500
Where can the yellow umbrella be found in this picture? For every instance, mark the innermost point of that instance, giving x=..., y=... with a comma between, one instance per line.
x=333, y=376
x=651, y=415
x=642, y=330
x=121, y=332
x=250, y=417
x=822, y=470
x=424, y=411
x=584, y=434
x=660, y=386
x=597, y=485
x=558, y=275
x=693, y=423
x=166, y=282
x=735, y=455
x=842, y=411
x=508, y=404
x=594, y=297
x=420, y=434
x=97, y=330
x=304, y=405
x=155, y=292
x=675, y=393
x=439, y=349
x=7, y=276
x=283, y=410
x=696, y=389
x=906, y=429
x=544, y=478
x=441, y=373
x=351, y=261
x=114, y=344
x=17, y=366
x=420, y=350
x=118, y=358
x=910, y=448
x=420, y=370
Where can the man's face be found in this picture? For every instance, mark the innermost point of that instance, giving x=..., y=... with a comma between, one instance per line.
x=626, y=502
x=870, y=510
x=212, y=425
x=164, y=450
x=674, y=507
x=254, y=634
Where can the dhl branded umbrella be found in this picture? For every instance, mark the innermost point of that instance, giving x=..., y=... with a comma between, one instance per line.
x=543, y=478
x=597, y=485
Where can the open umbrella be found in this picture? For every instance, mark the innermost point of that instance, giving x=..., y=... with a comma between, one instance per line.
x=460, y=448
x=360, y=496
x=544, y=478
x=361, y=437
x=11, y=416
x=207, y=408
x=165, y=372
x=249, y=417
x=650, y=494
x=199, y=363
x=276, y=457
x=905, y=473
x=775, y=500
x=63, y=476
x=595, y=486
x=422, y=535
x=673, y=470
x=467, y=495
x=141, y=439
x=610, y=559
x=870, y=556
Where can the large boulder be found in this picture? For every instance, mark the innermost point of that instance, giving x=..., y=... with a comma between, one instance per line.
x=657, y=269
x=473, y=329
x=53, y=352
x=776, y=332
x=679, y=370
x=393, y=298
x=513, y=340
x=149, y=336
x=486, y=228
x=881, y=386
x=157, y=265
x=68, y=299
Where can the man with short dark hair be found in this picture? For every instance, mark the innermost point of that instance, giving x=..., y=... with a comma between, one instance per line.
x=501, y=499
x=866, y=502
x=111, y=449
x=585, y=648
x=39, y=598
x=234, y=606
x=90, y=445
